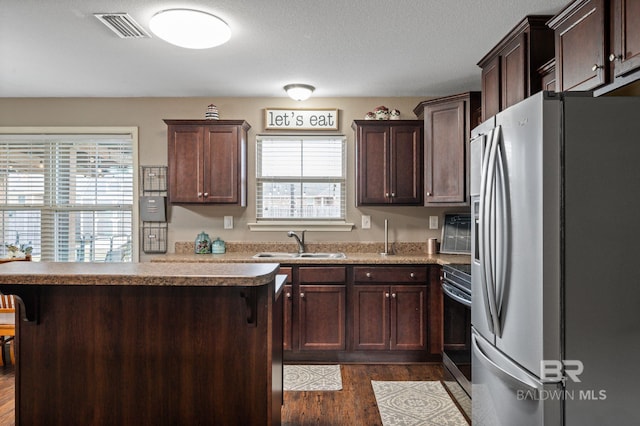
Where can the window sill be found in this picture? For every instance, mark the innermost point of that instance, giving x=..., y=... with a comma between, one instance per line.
x=307, y=226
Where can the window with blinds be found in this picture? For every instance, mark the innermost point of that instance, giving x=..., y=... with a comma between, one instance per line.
x=300, y=178
x=68, y=196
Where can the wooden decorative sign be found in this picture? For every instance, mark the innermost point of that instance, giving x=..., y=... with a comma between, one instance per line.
x=300, y=119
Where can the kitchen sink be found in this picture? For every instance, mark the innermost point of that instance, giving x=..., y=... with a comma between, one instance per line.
x=322, y=255
x=283, y=255
x=275, y=255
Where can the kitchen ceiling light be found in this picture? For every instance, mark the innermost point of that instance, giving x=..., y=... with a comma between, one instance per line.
x=299, y=92
x=189, y=28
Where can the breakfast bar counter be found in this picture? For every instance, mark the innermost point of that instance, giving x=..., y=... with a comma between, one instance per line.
x=160, y=344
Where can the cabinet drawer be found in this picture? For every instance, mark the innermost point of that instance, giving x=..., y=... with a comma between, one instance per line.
x=402, y=274
x=287, y=271
x=331, y=274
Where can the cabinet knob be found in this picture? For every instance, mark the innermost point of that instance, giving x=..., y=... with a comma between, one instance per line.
x=428, y=194
x=393, y=295
x=412, y=275
x=301, y=295
x=199, y=194
x=614, y=57
x=386, y=295
x=288, y=295
x=596, y=67
x=368, y=274
x=206, y=194
x=393, y=194
x=386, y=194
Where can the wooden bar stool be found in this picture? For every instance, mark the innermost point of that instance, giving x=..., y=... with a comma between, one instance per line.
x=7, y=326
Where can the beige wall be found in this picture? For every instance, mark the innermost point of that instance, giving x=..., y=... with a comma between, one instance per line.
x=408, y=224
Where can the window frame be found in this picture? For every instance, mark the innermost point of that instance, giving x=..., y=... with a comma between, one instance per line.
x=131, y=131
x=320, y=224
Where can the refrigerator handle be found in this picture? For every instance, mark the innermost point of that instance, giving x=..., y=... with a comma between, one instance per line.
x=490, y=262
x=503, y=226
x=514, y=375
x=483, y=231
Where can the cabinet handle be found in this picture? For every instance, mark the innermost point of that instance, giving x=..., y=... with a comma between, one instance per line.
x=412, y=275
x=596, y=67
x=206, y=194
x=368, y=274
x=614, y=57
x=301, y=295
x=386, y=295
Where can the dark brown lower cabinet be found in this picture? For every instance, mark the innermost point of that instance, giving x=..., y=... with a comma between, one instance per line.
x=390, y=318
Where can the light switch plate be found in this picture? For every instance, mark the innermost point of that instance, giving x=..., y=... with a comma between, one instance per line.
x=433, y=222
x=366, y=221
x=228, y=222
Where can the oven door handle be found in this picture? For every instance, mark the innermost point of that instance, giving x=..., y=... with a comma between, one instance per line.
x=451, y=292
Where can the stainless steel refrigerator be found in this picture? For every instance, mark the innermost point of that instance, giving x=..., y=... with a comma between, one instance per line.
x=555, y=185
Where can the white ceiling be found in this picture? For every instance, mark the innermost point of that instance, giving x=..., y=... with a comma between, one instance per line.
x=346, y=48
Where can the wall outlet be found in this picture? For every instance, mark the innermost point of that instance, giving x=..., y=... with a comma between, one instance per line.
x=228, y=222
x=366, y=221
x=433, y=222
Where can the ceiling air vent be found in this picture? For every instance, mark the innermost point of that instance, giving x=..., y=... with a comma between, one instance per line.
x=122, y=24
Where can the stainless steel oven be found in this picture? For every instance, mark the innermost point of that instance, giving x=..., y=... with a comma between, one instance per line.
x=456, y=356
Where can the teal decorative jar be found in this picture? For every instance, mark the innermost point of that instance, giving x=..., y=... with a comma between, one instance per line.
x=218, y=246
x=203, y=243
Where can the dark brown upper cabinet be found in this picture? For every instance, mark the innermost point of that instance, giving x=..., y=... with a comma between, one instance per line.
x=510, y=69
x=207, y=161
x=447, y=129
x=388, y=162
x=581, y=45
x=597, y=45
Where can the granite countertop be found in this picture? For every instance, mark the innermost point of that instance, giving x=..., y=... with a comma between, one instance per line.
x=351, y=259
x=156, y=274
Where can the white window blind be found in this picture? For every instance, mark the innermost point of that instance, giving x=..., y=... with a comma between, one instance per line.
x=300, y=178
x=68, y=196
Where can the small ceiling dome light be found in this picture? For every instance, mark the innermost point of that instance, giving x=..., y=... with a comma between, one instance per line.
x=299, y=92
x=189, y=28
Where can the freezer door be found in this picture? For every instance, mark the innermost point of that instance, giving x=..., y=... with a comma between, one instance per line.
x=528, y=281
x=503, y=394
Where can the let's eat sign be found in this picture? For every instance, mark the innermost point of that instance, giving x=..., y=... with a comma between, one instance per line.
x=300, y=119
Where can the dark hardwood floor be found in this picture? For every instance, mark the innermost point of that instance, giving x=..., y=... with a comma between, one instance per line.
x=354, y=405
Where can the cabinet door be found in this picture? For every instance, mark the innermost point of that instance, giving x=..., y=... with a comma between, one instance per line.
x=221, y=160
x=580, y=39
x=322, y=317
x=491, y=89
x=445, y=160
x=373, y=165
x=186, y=164
x=626, y=34
x=371, y=317
x=287, y=336
x=406, y=165
x=514, y=71
x=408, y=317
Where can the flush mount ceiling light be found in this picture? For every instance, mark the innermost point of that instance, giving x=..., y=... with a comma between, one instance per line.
x=299, y=92
x=189, y=28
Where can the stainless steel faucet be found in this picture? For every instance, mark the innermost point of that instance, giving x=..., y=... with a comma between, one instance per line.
x=298, y=240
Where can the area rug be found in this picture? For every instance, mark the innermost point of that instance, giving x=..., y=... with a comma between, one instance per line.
x=312, y=378
x=416, y=404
